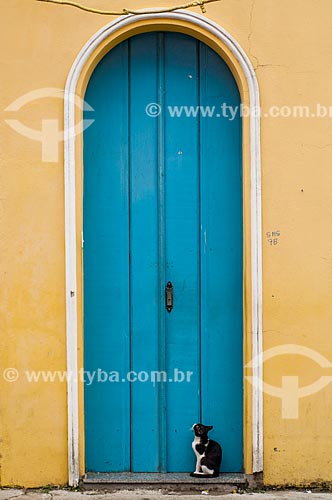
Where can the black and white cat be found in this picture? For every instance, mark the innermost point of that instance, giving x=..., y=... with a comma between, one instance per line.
x=208, y=452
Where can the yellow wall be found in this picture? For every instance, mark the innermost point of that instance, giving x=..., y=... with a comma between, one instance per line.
x=290, y=46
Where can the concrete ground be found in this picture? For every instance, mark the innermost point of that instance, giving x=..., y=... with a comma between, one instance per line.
x=140, y=494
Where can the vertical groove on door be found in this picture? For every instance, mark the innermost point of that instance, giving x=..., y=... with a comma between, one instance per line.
x=129, y=253
x=203, y=232
x=162, y=251
x=198, y=50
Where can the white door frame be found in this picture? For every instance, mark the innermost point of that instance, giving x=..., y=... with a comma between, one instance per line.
x=209, y=26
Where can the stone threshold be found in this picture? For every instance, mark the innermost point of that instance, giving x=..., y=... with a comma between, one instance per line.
x=226, y=482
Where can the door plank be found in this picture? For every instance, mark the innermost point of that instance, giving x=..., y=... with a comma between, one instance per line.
x=144, y=267
x=182, y=249
x=221, y=261
x=106, y=273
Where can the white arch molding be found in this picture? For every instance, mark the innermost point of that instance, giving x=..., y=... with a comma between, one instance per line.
x=208, y=26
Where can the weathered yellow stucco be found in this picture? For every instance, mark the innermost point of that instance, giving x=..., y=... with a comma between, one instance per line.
x=290, y=46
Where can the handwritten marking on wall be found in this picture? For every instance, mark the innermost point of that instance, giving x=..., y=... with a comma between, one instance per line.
x=273, y=237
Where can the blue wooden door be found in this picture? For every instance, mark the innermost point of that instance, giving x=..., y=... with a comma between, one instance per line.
x=162, y=203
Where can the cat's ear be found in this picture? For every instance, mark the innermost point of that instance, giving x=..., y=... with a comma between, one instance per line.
x=210, y=427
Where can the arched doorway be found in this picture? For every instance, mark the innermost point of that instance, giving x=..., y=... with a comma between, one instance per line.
x=162, y=204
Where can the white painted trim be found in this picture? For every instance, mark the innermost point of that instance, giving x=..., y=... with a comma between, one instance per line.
x=209, y=26
x=71, y=293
